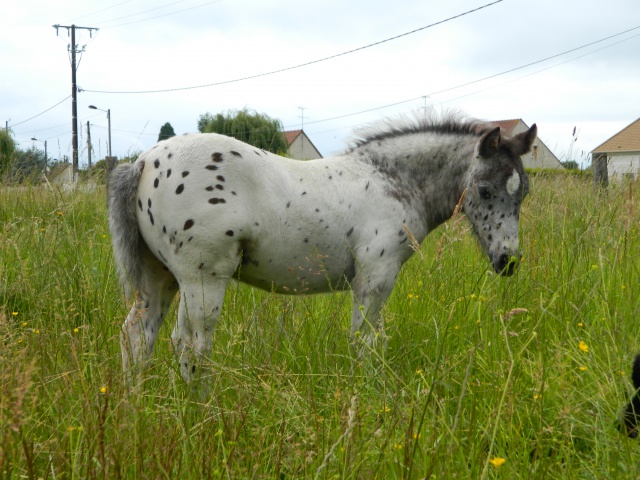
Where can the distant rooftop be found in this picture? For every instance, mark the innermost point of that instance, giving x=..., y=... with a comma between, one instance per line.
x=626, y=140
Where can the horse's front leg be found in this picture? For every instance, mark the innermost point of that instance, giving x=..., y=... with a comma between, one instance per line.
x=369, y=294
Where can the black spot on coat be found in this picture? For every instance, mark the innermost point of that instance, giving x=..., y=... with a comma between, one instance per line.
x=188, y=224
x=180, y=189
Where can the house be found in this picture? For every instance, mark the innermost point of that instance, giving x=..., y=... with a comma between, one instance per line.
x=61, y=174
x=540, y=155
x=621, y=152
x=300, y=146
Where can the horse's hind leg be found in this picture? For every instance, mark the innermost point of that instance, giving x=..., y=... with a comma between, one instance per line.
x=200, y=306
x=141, y=327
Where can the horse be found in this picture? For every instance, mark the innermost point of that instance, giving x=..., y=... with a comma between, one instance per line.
x=198, y=210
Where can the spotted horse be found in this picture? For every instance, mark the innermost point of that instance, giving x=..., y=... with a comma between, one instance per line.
x=197, y=210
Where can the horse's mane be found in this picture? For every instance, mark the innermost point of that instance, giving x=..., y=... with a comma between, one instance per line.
x=449, y=123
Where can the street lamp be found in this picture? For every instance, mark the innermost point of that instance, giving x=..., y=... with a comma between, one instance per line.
x=45, y=152
x=93, y=107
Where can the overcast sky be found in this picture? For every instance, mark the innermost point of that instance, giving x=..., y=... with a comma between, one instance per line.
x=145, y=45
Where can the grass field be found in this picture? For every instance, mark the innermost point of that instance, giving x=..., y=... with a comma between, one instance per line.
x=483, y=377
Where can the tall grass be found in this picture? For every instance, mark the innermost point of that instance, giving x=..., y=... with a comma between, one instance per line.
x=478, y=368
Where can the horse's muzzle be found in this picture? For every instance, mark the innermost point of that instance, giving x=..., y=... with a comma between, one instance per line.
x=505, y=264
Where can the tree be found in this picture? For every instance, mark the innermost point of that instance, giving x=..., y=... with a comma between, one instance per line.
x=257, y=129
x=571, y=165
x=27, y=166
x=7, y=151
x=166, y=131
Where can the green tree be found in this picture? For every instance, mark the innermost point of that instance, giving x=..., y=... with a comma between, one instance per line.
x=166, y=131
x=571, y=165
x=27, y=166
x=7, y=151
x=249, y=126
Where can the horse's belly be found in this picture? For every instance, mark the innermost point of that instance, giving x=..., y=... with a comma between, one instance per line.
x=312, y=272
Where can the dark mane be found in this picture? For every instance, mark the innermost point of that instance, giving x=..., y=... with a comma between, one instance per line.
x=447, y=124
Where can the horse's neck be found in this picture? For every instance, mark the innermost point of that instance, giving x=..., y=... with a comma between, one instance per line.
x=428, y=171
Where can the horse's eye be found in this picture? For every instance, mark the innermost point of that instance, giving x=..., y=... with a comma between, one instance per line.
x=484, y=192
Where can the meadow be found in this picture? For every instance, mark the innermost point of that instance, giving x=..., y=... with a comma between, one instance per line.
x=483, y=376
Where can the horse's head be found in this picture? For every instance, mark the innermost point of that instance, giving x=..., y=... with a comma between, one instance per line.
x=497, y=185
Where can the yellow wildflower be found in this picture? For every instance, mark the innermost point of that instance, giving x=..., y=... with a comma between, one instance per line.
x=583, y=346
x=497, y=461
x=103, y=389
x=76, y=330
x=583, y=369
x=15, y=314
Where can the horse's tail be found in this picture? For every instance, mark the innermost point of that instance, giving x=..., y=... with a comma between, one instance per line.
x=128, y=245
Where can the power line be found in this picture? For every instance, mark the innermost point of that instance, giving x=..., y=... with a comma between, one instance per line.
x=144, y=11
x=302, y=64
x=164, y=14
x=536, y=62
x=41, y=113
x=100, y=11
x=496, y=74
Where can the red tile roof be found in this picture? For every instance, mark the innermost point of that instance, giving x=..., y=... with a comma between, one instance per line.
x=507, y=125
x=291, y=136
x=626, y=140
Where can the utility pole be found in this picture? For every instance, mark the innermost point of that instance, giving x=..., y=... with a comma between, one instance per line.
x=302, y=109
x=74, y=89
x=89, y=144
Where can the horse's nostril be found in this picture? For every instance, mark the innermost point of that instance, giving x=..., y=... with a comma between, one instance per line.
x=505, y=264
x=503, y=260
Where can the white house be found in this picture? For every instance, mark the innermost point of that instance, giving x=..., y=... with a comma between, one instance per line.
x=540, y=155
x=622, y=152
x=300, y=146
x=61, y=174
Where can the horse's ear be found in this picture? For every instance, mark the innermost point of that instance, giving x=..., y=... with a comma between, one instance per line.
x=489, y=143
x=523, y=141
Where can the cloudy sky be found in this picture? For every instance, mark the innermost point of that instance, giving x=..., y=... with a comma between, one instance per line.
x=560, y=64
